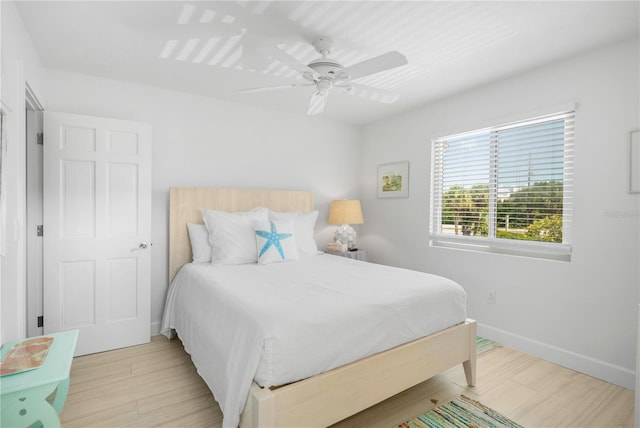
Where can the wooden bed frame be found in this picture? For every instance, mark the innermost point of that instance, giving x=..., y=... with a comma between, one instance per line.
x=339, y=393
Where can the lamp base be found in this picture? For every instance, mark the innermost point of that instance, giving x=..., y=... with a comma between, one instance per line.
x=347, y=235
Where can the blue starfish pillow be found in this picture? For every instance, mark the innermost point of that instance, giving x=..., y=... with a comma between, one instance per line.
x=275, y=241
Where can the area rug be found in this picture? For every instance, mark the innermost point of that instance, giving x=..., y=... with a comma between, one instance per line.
x=463, y=412
x=485, y=345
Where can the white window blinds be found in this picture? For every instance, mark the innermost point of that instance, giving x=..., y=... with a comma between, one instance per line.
x=505, y=188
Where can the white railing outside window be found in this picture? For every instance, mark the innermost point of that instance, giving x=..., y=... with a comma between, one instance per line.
x=506, y=188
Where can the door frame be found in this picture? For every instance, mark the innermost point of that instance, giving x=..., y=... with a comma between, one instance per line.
x=33, y=212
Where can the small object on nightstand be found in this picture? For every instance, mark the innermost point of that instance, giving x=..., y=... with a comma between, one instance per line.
x=336, y=247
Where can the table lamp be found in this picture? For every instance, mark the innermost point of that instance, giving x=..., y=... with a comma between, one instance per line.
x=345, y=212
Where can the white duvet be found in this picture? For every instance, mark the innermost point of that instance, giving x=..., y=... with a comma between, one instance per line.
x=284, y=322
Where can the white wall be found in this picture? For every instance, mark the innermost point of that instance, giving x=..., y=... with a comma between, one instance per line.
x=582, y=313
x=20, y=64
x=203, y=142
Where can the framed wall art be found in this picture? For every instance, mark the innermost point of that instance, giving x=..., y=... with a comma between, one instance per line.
x=393, y=180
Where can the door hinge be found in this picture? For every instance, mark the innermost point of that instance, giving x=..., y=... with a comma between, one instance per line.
x=40, y=138
x=41, y=321
x=39, y=230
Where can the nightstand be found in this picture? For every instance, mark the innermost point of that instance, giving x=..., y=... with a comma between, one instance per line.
x=356, y=255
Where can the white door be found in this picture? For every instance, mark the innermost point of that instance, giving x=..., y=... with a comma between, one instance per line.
x=97, y=214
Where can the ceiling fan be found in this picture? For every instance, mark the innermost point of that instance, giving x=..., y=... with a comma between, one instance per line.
x=325, y=73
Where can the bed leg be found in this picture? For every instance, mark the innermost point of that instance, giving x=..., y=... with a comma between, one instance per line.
x=470, y=365
x=260, y=410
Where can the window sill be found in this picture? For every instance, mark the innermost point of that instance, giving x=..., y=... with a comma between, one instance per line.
x=532, y=249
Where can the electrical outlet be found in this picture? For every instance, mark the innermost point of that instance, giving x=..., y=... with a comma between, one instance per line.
x=491, y=297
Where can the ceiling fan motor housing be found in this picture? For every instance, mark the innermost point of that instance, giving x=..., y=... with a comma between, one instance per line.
x=326, y=67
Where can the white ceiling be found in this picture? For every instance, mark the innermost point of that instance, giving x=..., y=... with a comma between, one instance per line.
x=212, y=48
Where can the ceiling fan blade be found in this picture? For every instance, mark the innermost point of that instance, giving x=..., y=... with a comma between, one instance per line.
x=317, y=102
x=273, y=88
x=369, y=92
x=376, y=64
x=280, y=55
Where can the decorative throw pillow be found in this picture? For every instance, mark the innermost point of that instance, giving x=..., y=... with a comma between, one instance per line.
x=305, y=224
x=275, y=241
x=200, y=246
x=231, y=235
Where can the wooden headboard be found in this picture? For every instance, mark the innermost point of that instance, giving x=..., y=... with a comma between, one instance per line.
x=186, y=203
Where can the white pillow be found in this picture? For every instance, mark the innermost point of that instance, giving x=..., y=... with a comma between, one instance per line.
x=275, y=241
x=305, y=224
x=200, y=246
x=231, y=235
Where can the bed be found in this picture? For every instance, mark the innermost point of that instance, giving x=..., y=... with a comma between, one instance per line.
x=349, y=384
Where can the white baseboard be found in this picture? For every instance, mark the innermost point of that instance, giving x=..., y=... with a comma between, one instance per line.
x=155, y=328
x=581, y=363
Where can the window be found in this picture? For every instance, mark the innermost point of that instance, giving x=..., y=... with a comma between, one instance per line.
x=505, y=189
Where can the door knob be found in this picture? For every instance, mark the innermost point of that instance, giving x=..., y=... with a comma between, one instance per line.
x=143, y=245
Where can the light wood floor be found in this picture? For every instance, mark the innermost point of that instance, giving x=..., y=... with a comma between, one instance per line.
x=156, y=385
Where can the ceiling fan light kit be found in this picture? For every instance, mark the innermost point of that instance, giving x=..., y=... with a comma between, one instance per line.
x=325, y=73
